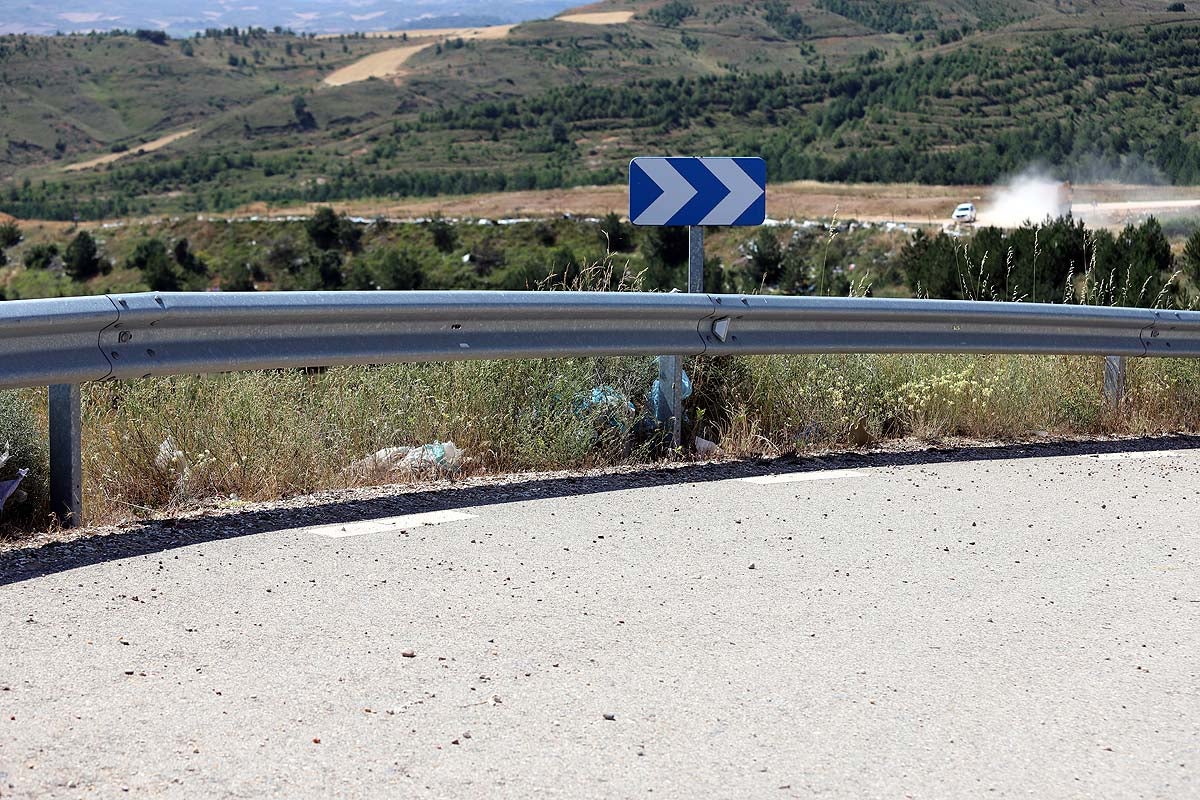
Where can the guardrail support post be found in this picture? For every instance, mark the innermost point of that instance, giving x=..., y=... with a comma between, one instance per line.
x=1114, y=381
x=670, y=381
x=66, y=455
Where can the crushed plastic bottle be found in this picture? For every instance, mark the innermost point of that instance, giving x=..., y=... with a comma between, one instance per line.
x=385, y=460
x=436, y=455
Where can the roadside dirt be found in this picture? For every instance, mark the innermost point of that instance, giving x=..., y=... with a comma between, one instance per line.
x=198, y=521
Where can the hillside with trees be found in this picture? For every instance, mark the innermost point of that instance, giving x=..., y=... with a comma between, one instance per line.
x=945, y=91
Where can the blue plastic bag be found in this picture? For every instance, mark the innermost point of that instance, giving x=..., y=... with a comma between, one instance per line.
x=658, y=401
x=606, y=400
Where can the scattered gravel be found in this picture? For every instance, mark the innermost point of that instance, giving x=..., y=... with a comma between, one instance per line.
x=220, y=519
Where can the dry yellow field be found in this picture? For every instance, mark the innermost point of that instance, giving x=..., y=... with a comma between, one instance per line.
x=388, y=63
x=376, y=65
x=598, y=18
x=869, y=202
x=796, y=200
x=148, y=147
x=1103, y=204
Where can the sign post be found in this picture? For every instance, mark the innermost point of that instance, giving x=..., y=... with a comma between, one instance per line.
x=694, y=192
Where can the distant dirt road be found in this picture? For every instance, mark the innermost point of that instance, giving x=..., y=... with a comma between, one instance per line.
x=797, y=200
x=598, y=18
x=910, y=203
x=148, y=147
x=1119, y=213
x=391, y=62
x=376, y=65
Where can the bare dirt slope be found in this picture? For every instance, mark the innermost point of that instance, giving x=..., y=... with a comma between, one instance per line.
x=148, y=147
x=391, y=62
x=598, y=18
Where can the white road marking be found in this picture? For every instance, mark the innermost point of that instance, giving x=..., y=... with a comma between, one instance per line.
x=1138, y=456
x=342, y=529
x=795, y=477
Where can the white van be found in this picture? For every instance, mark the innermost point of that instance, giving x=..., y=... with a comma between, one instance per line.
x=964, y=213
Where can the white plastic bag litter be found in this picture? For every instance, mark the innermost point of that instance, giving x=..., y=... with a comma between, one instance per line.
x=9, y=488
x=438, y=455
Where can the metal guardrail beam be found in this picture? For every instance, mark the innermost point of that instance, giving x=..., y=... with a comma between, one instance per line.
x=53, y=341
x=173, y=333
x=70, y=340
x=770, y=324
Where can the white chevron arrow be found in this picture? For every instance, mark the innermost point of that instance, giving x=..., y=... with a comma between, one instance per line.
x=743, y=191
x=676, y=192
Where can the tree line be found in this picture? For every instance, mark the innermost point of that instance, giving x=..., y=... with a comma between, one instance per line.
x=1055, y=261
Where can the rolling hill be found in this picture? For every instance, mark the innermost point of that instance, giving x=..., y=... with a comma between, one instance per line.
x=943, y=91
x=185, y=17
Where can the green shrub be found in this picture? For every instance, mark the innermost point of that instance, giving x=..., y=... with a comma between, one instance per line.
x=10, y=234
x=25, y=443
x=150, y=258
x=40, y=256
x=82, y=257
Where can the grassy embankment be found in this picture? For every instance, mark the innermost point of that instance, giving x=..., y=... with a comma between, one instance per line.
x=259, y=436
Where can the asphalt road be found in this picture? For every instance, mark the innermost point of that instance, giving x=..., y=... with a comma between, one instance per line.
x=1021, y=622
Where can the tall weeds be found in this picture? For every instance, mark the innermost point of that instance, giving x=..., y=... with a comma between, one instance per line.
x=270, y=434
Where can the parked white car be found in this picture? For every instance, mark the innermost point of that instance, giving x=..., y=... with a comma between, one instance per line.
x=964, y=213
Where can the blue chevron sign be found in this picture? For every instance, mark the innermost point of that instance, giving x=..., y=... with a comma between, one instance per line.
x=697, y=191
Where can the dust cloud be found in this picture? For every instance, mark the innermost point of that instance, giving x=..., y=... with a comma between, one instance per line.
x=1030, y=196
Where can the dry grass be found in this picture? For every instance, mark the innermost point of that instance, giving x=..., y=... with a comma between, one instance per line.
x=271, y=434
x=265, y=435
x=598, y=18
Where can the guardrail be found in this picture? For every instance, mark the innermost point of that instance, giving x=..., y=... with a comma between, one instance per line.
x=63, y=342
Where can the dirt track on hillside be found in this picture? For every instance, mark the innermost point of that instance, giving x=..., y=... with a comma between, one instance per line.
x=388, y=63
x=148, y=147
x=598, y=18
